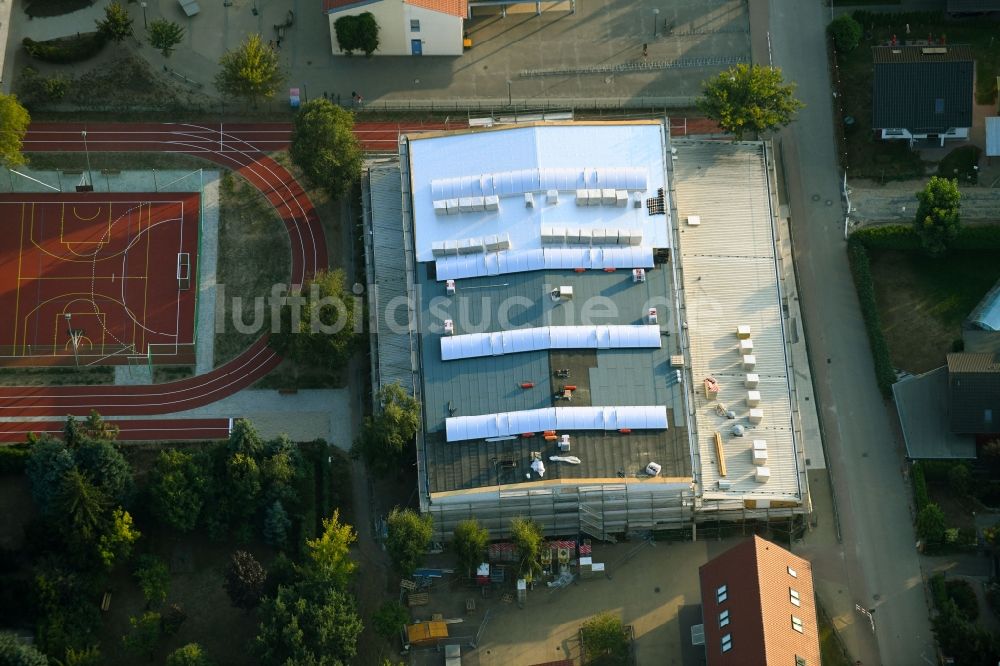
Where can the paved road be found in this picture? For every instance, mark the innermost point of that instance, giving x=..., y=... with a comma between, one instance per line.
x=881, y=564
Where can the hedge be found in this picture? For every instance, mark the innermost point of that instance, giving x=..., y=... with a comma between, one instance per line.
x=888, y=237
x=13, y=458
x=920, y=496
x=885, y=374
x=979, y=237
x=65, y=50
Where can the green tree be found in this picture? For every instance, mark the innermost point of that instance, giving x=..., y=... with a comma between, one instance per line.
x=527, y=537
x=281, y=468
x=846, y=32
x=931, y=524
x=747, y=98
x=15, y=653
x=89, y=656
x=243, y=483
x=409, y=536
x=604, y=640
x=245, y=439
x=276, y=525
x=357, y=33
x=191, y=654
x=81, y=505
x=48, y=462
x=153, y=577
x=117, y=24
x=95, y=427
x=251, y=71
x=245, y=579
x=144, y=635
x=101, y=462
x=959, y=478
x=117, y=538
x=14, y=120
x=165, y=35
x=938, y=221
x=385, y=438
x=177, y=486
x=316, y=625
x=72, y=432
x=390, y=619
x=323, y=332
x=469, y=542
x=329, y=553
x=325, y=147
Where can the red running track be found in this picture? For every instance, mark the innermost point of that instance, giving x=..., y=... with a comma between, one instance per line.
x=128, y=431
x=243, y=148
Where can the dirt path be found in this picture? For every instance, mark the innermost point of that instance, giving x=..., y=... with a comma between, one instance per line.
x=897, y=202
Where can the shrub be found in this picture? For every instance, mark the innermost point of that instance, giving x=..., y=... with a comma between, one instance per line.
x=846, y=32
x=13, y=458
x=885, y=374
x=65, y=50
x=939, y=591
x=961, y=592
x=920, y=496
x=604, y=640
x=930, y=524
x=959, y=477
x=357, y=33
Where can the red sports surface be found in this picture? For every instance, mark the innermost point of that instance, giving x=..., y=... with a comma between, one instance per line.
x=111, y=262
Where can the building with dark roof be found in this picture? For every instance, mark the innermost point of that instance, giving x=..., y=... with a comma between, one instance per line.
x=759, y=608
x=974, y=393
x=527, y=286
x=922, y=92
x=406, y=27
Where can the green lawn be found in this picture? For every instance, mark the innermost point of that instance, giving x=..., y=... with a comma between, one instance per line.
x=868, y=157
x=922, y=302
x=253, y=255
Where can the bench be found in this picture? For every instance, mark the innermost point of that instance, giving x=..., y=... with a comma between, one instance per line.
x=106, y=601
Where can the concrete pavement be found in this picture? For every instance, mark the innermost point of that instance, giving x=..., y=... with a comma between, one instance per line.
x=878, y=561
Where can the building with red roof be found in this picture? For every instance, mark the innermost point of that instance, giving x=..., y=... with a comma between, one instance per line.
x=759, y=608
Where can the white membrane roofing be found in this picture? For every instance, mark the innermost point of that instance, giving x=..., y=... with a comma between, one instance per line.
x=615, y=336
x=730, y=279
x=609, y=157
x=506, y=424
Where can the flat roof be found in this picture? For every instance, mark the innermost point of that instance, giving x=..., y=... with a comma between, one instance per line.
x=729, y=279
x=509, y=161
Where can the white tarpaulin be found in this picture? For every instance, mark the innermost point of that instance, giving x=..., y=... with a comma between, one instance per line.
x=519, y=181
x=615, y=336
x=520, y=261
x=505, y=424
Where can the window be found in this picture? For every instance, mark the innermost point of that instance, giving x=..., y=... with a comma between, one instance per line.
x=793, y=595
x=414, y=25
x=722, y=594
x=800, y=661
x=793, y=573
x=939, y=105
x=797, y=624
x=727, y=642
x=988, y=416
x=723, y=618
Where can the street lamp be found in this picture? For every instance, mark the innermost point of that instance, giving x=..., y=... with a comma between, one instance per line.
x=144, y=24
x=86, y=152
x=509, y=102
x=656, y=19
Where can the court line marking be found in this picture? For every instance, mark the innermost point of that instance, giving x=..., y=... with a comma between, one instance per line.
x=17, y=284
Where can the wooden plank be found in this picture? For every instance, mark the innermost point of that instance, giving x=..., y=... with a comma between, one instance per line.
x=720, y=458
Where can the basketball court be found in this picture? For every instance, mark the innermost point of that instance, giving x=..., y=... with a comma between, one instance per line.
x=98, y=278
